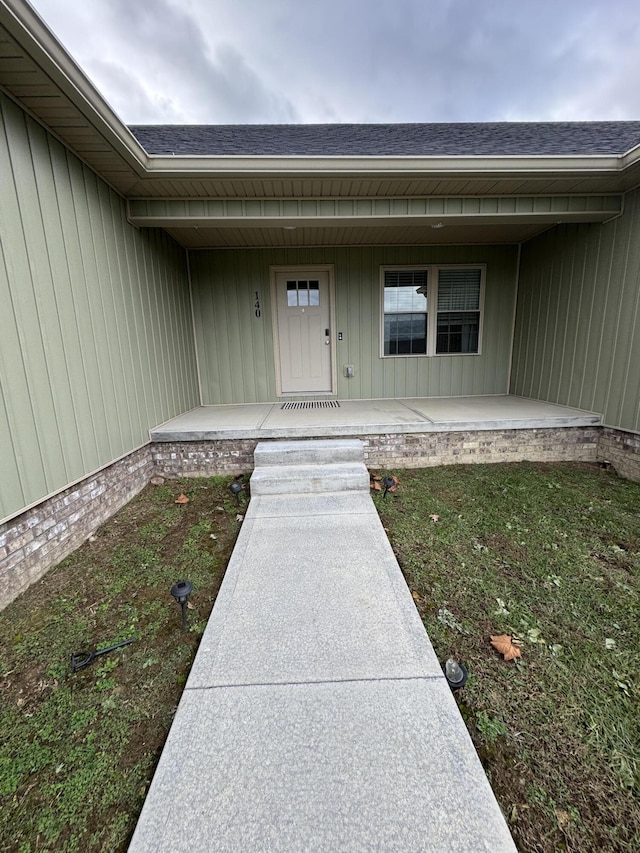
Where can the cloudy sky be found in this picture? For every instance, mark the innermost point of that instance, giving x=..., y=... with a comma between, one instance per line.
x=255, y=61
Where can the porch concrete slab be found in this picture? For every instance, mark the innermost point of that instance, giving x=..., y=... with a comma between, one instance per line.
x=198, y=422
x=360, y=766
x=365, y=414
x=314, y=598
x=470, y=410
x=370, y=417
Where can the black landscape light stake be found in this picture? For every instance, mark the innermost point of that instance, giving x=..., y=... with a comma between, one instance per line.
x=181, y=592
x=81, y=659
x=235, y=488
x=388, y=483
x=455, y=673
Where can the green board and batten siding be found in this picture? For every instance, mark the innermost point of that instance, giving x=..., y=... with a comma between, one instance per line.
x=235, y=348
x=96, y=338
x=577, y=337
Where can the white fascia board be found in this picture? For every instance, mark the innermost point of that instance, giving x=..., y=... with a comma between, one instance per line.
x=176, y=166
x=36, y=39
x=631, y=157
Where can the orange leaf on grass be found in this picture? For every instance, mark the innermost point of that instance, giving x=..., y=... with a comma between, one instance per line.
x=504, y=644
x=183, y=499
x=375, y=485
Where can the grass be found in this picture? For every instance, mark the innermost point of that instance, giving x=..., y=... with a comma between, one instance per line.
x=551, y=554
x=77, y=751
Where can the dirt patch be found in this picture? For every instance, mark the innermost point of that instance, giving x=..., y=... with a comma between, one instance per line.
x=504, y=547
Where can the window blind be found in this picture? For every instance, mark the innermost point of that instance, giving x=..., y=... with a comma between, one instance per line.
x=459, y=290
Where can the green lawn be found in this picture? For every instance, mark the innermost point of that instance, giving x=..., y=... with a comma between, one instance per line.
x=77, y=751
x=550, y=554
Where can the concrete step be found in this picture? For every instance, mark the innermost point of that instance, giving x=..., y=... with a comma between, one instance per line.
x=306, y=479
x=321, y=451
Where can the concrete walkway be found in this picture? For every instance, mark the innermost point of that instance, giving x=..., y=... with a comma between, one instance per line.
x=316, y=716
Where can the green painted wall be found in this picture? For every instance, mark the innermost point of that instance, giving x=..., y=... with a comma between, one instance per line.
x=96, y=340
x=235, y=348
x=577, y=338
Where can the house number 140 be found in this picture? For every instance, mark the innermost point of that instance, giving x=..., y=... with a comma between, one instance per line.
x=256, y=305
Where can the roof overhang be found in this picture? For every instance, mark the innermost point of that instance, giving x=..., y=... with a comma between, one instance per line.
x=39, y=74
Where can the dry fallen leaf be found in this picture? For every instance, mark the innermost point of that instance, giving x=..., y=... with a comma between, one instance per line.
x=375, y=484
x=504, y=644
x=416, y=596
x=190, y=605
x=183, y=499
x=434, y=517
x=239, y=517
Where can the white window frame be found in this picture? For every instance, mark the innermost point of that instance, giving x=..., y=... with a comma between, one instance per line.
x=432, y=308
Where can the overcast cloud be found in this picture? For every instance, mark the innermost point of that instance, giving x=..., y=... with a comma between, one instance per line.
x=255, y=61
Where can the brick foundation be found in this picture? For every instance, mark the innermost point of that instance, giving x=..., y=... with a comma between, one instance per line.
x=203, y=458
x=42, y=536
x=45, y=534
x=622, y=449
x=427, y=449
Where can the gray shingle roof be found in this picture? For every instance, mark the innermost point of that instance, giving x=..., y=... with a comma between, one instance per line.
x=497, y=138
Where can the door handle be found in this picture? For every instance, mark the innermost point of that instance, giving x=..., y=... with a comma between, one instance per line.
x=326, y=334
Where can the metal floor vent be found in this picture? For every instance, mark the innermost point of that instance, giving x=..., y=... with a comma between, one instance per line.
x=311, y=404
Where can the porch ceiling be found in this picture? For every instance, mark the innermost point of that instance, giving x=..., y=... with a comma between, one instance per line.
x=391, y=235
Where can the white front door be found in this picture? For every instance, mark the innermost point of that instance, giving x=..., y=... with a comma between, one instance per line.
x=304, y=343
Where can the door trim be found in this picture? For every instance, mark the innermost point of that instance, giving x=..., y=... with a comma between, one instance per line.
x=304, y=271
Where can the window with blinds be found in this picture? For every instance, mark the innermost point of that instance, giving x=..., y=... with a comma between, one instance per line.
x=458, y=320
x=431, y=310
x=405, y=312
